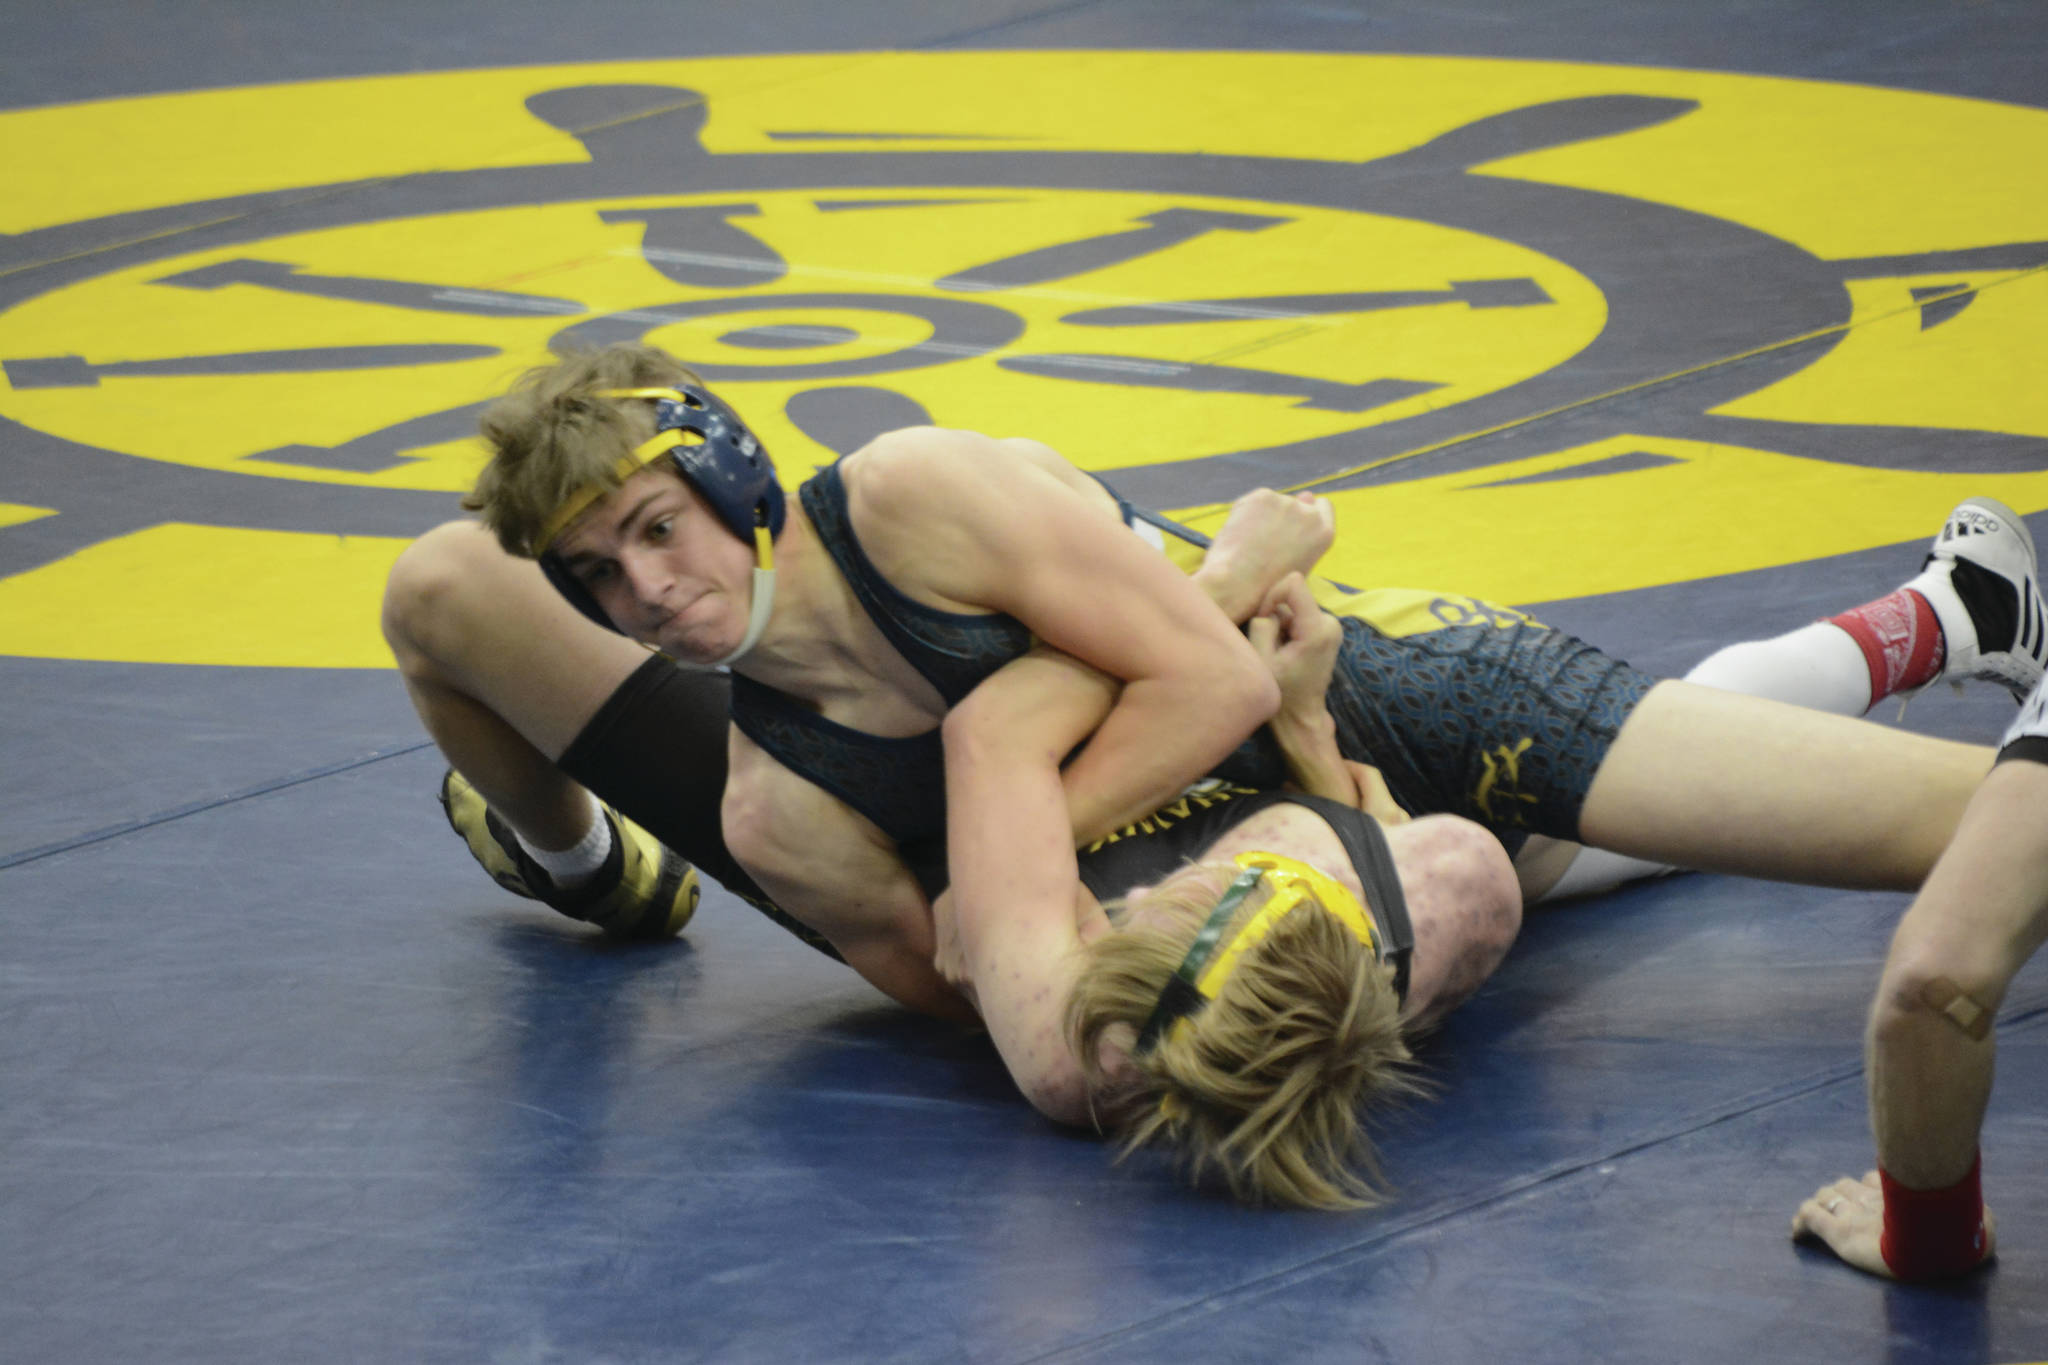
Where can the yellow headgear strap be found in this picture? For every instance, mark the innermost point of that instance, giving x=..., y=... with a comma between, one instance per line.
x=644, y=454
x=1200, y=976
x=1293, y=881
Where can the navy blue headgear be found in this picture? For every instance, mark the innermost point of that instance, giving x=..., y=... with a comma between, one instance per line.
x=711, y=448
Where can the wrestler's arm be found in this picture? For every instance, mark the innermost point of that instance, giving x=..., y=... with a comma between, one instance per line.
x=833, y=869
x=1016, y=895
x=1982, y=913
x=974, y=523
x=1267, y=536
x=824, y=864
x=1299, y=641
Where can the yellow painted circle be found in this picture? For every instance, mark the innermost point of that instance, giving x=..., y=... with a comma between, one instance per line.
x=266, y=284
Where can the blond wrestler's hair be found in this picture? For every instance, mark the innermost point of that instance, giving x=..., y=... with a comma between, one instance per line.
x=553, y=435
x=1264, y=1085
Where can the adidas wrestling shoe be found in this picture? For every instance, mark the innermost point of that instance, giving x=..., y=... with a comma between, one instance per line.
x=642, y=892
x=1983, y=581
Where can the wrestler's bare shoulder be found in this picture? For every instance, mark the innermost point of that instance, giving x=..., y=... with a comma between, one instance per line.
x=910, y=465
x=952, y=518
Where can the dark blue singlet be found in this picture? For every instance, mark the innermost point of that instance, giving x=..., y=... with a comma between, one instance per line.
x=900, y=784
x=1484, y=713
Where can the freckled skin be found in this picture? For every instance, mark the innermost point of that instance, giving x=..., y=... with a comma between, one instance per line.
x=1462, y=896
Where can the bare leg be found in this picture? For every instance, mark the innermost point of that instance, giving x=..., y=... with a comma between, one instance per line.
x=1726, y=783
x=1973, y=611
x=1819, y=668
x=503, y=672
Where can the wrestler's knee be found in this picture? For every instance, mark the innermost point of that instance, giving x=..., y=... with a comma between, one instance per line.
x=1939, y=966
x=433, y=585
x=1460, y=864
x=1913, y=993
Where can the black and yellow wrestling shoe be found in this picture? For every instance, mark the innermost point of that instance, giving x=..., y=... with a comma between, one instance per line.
x=643, y=892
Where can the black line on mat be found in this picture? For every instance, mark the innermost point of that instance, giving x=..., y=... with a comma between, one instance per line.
x=212, y=803
x=1212, y=511
x=975, y=34
x=2013, y=1020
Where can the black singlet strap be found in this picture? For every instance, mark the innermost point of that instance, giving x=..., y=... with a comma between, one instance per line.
x=1366, y=844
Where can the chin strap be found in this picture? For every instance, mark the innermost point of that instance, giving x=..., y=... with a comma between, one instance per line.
x=757, y=620
x=764, y=598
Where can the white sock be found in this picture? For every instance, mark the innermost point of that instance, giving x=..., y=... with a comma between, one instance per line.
x=1819, y=667
x=1595, y=870
x=570, y=867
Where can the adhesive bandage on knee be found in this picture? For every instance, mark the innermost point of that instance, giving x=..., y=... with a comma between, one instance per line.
x=1956, y=1005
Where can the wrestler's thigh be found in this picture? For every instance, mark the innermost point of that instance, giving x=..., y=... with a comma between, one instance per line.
x=1713, y=780
x=1500, y=720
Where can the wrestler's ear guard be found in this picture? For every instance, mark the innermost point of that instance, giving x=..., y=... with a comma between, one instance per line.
x=713, y=449
x=571, y=587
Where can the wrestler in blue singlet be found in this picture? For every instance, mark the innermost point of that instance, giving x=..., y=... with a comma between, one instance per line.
x=1465, y=707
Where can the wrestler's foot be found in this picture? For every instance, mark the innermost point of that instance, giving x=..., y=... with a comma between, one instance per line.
x=1982, y=580
x=643, y=891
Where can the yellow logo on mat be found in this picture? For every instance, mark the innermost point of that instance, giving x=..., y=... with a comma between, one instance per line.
x=1545, y=329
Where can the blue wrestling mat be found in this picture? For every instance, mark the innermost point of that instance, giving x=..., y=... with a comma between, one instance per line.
x=1676, y=323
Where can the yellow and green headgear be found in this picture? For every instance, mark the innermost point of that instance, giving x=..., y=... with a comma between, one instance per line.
x=1211, y=958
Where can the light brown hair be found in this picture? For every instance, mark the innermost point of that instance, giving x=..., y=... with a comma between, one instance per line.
x=553, y=435
x=1264, y=1084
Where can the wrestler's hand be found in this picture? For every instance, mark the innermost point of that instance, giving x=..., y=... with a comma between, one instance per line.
x=1849, y=1217
x=1373, y=796
x=1298, y=641
x=1267, y=536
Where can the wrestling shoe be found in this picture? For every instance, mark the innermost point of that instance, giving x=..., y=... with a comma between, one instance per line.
x=642, y=892
x=1982, y=579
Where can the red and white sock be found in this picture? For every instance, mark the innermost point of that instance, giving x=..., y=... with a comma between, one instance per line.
x=1901, y=641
